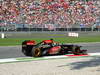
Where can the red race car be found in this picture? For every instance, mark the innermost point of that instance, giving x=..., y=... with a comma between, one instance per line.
x=49, y=47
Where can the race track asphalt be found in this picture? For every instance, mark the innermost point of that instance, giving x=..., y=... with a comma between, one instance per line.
x=15, y=51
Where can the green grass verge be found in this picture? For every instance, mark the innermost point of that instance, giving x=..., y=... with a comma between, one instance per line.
x=18, y=41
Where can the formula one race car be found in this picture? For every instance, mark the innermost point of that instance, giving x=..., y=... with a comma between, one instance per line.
x=46, y=47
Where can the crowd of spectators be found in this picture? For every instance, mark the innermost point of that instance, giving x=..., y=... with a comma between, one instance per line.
x=51, y=14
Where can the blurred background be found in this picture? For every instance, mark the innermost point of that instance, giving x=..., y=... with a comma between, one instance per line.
x=53, y=16
x=46, y=15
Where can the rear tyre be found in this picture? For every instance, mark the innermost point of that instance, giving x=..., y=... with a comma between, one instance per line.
x=36, y=52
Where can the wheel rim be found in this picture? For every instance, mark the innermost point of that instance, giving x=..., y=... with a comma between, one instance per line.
x=37, y=52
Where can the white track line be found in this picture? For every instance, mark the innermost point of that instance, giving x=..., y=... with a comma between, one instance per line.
x=48, y=57
x=51, y=57
x=8, y=60
x=94, y=54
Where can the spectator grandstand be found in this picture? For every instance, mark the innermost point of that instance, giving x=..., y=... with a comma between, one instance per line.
x=49, y=14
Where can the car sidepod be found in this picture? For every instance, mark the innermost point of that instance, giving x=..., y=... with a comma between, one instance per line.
x=54, y=50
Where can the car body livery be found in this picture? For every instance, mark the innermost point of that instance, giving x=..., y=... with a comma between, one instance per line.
x=30, y=48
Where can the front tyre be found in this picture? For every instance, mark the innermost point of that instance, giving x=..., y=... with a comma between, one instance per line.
x=36, y=52
x=84, y=52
